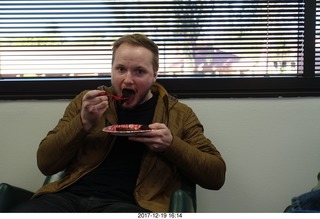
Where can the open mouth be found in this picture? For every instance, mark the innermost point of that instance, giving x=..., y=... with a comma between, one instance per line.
x=128, y=94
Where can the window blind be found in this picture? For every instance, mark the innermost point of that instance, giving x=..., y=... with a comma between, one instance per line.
x=57, y=38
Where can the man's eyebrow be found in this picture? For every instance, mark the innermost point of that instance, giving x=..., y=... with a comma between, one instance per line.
x=140, y=67
x=119, y=65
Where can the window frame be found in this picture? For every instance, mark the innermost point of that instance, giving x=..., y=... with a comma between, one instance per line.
x=179, y=87
x=307, y=84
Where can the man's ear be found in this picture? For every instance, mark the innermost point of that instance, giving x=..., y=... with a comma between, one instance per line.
x=155, y=76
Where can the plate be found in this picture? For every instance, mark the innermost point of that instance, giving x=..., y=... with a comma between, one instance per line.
x=125, y=129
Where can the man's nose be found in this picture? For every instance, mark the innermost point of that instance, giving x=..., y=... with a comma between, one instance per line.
x=128, y=77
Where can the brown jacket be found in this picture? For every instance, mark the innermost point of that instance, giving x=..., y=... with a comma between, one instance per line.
x=68, y=147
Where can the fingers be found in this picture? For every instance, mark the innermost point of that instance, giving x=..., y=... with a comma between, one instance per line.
x=94, y=104
x=152, y=142
x=158, y=126
x=95, y=97
x=158, y=139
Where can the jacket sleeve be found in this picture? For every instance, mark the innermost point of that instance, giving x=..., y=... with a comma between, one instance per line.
x=194, y=154
x=62, y=143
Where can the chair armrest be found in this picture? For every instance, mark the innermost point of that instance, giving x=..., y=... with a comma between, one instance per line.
x=11, y=196
x=181, y=201
x=54, y=177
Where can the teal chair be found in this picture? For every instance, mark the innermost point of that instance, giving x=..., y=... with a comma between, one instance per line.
x=183, y=200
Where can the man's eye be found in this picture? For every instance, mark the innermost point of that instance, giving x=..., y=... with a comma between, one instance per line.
x=139, y=71
x=121, y=70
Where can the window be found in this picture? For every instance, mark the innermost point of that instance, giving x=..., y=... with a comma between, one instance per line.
x=213, y=48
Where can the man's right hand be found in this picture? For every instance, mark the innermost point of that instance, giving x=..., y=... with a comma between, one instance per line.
x=94, y=104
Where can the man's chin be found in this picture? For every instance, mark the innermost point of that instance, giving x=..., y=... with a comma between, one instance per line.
x=127, y=106
x=132, y=102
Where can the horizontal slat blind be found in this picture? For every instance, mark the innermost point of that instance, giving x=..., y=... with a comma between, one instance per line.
x=196, y=38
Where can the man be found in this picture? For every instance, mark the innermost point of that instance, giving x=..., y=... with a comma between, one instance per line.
x=108, y=173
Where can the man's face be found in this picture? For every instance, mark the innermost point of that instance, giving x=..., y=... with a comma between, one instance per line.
x=132, y=74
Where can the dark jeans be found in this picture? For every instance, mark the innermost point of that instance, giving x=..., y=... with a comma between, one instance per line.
x=307, y=202
x=69, y=202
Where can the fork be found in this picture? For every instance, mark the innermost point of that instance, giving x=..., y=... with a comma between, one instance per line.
x=111, y=95
x=116, y=97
